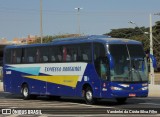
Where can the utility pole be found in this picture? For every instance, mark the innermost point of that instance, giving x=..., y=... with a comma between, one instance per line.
x=78, y=19
x=41, y=25
x=151, y=51
x=151, y=47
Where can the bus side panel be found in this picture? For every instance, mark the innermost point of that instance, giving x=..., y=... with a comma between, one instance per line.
x=105, y=90
x=90, y=78
x=60, y=90
x=36, y=86
x=7, y=80
x=51, y=89
x=66, y=91
x=65, y=81
x=13, y=81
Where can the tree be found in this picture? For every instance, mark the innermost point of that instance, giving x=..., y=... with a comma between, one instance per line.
x=47, y=39
x=138, y=33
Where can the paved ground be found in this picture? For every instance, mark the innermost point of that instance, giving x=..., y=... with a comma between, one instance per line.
x=77, y=107
x=154, y=91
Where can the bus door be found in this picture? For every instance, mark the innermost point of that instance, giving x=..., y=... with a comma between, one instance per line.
x=102, y=68
x=101, y=63
x=104, y=76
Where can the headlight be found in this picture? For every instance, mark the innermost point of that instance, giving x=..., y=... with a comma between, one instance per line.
x=145, y=84
x=116, y=88
x=144, y=88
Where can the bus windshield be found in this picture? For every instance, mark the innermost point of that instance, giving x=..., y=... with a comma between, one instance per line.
x=129, y=63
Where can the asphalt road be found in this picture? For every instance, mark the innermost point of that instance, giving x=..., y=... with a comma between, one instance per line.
x=44, y=107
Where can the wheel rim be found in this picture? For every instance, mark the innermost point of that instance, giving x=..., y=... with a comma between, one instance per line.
x=89, y=95
x=25, y=91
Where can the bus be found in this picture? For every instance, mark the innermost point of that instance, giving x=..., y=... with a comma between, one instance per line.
x=91, y=67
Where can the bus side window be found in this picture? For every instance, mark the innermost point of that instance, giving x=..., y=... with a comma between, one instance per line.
x=45, y=59
x=38, y=59
x=44, y=54
x=85, y=52
x=74, y=57
x=54, y=54
x=16, y=56
x=85, y=57
x=30, y=55
x=23, y=60
x=53, y=58
x=59, y=57
x=68, y=57
x=18, y=60
x=8, y=56
x=30, y=59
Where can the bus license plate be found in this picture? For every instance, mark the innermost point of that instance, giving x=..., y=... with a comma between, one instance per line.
x=132, y=95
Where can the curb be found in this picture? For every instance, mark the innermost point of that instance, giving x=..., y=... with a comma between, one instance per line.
x=154, y=91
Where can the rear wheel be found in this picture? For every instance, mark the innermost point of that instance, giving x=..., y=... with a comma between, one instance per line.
x=88, y=96
x=25, y=92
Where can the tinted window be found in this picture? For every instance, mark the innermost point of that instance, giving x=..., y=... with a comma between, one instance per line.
x=45, y=54
x=42, y=54
x=70, y=53
x=8, y=56
x=99, y=51
x=55, y=53
x=136, y=51
x=85, y=52
x=31, y=55
x=16, y=56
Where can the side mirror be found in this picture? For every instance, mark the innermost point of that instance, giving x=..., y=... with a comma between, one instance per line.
x=154, y=62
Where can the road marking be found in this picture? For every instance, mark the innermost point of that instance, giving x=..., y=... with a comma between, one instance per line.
x=150, y=104
x=95, y=106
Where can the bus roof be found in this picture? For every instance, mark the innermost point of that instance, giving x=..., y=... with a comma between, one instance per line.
x=82, y=39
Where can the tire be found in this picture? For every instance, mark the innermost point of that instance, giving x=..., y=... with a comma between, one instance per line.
x=25, y=92
x=88, y=96
x=121, y=100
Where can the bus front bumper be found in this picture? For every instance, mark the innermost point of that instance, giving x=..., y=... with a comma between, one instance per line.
x=130, y=93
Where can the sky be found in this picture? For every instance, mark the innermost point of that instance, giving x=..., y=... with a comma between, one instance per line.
x=20, y=18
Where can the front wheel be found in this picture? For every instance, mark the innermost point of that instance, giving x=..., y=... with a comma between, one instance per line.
x=88, y=96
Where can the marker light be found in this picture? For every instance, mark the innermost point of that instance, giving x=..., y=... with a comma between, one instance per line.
x=144, y=88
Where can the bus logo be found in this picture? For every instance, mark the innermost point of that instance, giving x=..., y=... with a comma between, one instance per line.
x=6, y=111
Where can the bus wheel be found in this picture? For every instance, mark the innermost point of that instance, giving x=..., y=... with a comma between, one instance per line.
x=88, y=96
x=25, y=92
x=121, y=100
